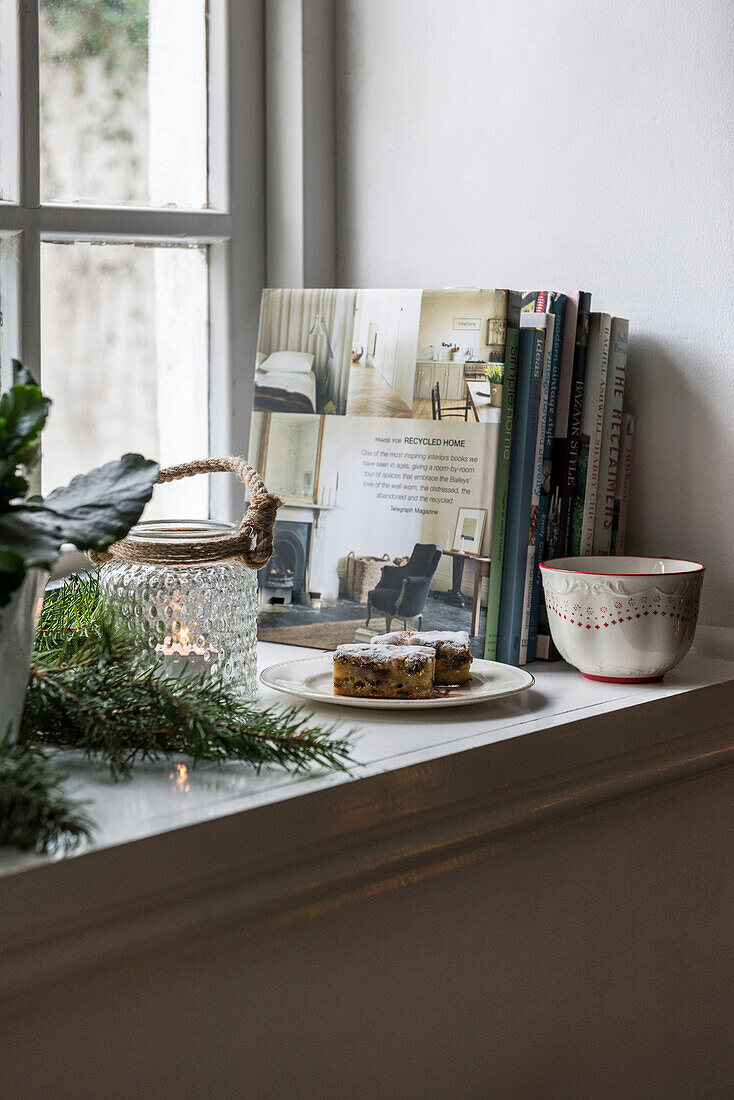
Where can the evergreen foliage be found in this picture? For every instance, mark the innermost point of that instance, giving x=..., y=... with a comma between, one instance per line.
x=35, y=812
x=91, y=690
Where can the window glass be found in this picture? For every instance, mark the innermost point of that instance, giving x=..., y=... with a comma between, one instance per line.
x=9, y=101
x=124, y=102
x=9, y=312
x=124, y=347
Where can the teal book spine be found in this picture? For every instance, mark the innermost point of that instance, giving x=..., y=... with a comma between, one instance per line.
x=558, y=309
x=524, y=434
x=536, y=479
x=502, y=484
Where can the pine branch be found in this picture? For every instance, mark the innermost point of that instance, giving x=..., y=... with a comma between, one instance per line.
x=73, y=624
x=35, y=813
x=89, y=691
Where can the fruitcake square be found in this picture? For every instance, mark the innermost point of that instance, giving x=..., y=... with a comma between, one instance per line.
x=453, y=657
x=384, y=671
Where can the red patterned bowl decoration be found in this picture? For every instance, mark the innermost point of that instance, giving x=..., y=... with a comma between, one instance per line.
x=622, y=619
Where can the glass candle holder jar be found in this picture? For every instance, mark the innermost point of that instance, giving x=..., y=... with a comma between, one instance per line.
x=195, y=617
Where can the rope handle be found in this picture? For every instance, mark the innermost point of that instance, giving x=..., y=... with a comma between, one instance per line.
x=253, y=544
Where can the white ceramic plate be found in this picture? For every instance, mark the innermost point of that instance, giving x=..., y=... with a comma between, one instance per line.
x=311, y=678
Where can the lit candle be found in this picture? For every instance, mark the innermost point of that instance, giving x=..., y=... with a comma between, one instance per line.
x=180, y=655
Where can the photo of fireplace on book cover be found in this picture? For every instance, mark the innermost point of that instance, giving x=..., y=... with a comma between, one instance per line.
x=375, y=421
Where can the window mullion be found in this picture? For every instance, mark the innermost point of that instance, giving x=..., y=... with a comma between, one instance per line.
x=30, y=311
x=224, y=499
x=30, y=119
x=60, y=222
x=30, y=258
x=246, y=277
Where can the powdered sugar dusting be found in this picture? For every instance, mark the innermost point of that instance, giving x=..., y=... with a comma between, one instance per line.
x=410, y=656
x=445, y=641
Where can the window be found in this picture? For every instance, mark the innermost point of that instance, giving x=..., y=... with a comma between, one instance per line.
x=126, y=280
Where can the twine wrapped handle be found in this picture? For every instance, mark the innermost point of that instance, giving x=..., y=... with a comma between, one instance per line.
x=252, y=545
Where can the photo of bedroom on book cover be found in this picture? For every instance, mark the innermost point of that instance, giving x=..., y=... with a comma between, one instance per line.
x=377, y=421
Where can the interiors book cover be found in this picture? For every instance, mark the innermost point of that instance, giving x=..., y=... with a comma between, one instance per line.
x=377, y=418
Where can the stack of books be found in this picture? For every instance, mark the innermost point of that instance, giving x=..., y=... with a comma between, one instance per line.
x=564, y=460
x=468, y=433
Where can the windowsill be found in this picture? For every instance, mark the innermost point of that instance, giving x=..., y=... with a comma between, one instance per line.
x=172, y=849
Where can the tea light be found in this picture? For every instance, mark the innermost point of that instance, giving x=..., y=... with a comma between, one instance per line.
x=197, y=618
x=186, y=590
x=181, y=655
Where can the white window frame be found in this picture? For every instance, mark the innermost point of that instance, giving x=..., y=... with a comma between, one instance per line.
x=233, y=226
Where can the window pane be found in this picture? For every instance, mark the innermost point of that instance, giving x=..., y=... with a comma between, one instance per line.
x=124, y=358
x=9, y=101
x=9, y=311
x=123, y=101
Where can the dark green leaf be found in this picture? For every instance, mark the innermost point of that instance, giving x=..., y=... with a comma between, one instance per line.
x=12, y=571
x=29, y=532
x=21, y=375
x=12, y=485
x=23, y=412
x=94, y=509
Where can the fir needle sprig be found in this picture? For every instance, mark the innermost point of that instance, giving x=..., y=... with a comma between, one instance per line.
x=35, y=811
x=90, y=690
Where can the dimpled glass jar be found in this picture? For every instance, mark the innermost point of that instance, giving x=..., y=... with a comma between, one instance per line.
x=197, y=617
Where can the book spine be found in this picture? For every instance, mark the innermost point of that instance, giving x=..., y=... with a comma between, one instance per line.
x=501, y=490
x=593, y=421
x=565, y=373
x=560, y=440
x=573, y=438
x=624, y=476
x=527, y=406
x=558, y=311
x=537, y=488
x=611, y=435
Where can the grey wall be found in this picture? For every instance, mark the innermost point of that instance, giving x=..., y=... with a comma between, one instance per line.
x=568, y=145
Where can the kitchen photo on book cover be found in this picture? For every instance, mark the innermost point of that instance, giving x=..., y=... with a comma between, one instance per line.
x=377, y=419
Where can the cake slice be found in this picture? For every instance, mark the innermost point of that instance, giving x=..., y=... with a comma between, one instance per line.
x=453, y=657
x=384, y=671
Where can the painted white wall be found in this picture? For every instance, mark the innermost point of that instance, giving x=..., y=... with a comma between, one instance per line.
x=299, y=142
x=566, y=145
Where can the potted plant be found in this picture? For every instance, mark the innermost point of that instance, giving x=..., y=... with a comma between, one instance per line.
x=91, y=512
x=495, y=375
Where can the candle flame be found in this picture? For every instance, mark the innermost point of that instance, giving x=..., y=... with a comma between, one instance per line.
x=180, y=777
x=184, y=636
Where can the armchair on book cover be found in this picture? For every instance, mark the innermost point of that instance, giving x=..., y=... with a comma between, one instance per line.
x=402, y=590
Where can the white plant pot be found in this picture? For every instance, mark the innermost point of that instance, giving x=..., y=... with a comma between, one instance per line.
x=495, y=388
x=18, y=621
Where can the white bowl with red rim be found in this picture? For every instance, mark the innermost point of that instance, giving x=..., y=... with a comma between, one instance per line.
x=622, y=620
